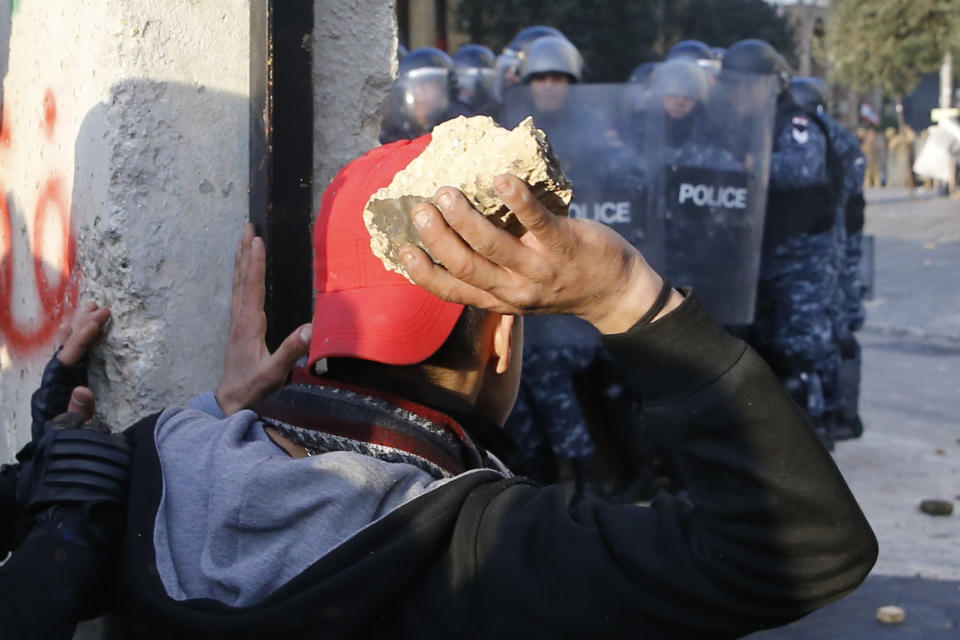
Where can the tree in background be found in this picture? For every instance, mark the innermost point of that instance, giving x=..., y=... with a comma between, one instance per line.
x=720, y=23
x=615, y=36
x=890, y=43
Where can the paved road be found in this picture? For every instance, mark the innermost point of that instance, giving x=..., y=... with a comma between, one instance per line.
x=911, y=408
x=933, y=613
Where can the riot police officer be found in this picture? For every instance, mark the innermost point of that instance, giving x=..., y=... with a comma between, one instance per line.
x=61, y=509
x=798, y=274
x=424, y=95
x=474, y=67
x=682, y=89
x=841, y=385
x=507, y=72
x=551, y=66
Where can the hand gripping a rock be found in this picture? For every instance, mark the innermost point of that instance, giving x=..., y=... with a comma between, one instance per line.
x=558, y=265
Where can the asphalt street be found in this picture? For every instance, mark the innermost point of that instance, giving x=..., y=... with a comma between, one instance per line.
x=910, y=451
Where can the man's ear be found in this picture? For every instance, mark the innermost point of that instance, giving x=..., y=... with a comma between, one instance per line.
x=503, y=342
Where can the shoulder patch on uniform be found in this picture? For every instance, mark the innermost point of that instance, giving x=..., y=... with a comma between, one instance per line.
x=801, y=129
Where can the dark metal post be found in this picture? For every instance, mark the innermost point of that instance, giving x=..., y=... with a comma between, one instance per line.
x=281, y=156
x=403, y=22
x=440, y=13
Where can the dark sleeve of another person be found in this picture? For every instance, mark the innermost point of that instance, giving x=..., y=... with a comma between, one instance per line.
x=769, y=531
x=42, y=586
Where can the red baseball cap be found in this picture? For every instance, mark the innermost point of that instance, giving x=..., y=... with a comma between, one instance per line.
x=362, y=309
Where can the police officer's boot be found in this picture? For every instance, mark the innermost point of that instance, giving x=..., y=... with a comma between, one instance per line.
x=826, y=427
x=807, y=391
x=848, y=427
x=849, y=424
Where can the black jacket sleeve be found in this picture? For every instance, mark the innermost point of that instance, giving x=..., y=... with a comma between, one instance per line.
x=770, y=531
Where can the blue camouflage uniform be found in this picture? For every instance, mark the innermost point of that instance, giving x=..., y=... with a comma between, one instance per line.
x=851, y=287
x=850, y=163
x=841, y=383
x=799, y=267
x=547, y=413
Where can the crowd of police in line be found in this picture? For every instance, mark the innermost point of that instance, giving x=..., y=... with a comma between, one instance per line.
x=691, y=110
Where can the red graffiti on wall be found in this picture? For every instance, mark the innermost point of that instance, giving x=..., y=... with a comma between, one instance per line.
x=56, y=278
x=49, y=114
x=4, y=129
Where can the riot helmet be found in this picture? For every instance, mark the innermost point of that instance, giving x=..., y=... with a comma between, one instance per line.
x=473, y=56
x=473, y=65
x=718, y=53
x=681, y=85
x=402, y=51
x=641, y=74
x=549, y=67
x=508, y=62
x=422, y=96
x=429, y=58
x=527, y=36
x=697, y=52
x=809, y=93
x=691, y=50
x=552, y=54
x=758, y=56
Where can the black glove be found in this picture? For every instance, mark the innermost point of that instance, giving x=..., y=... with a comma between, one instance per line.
x=53, y=396
x=73, y=482
x=73, y=463
x=73, y=486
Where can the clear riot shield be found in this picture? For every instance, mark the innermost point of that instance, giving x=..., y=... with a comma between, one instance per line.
x=708, y=140
x=678, y=165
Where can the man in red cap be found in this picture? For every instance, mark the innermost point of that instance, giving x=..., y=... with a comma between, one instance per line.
x=369, y=497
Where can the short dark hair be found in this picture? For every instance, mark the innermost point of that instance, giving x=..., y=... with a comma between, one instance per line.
x=461, y=350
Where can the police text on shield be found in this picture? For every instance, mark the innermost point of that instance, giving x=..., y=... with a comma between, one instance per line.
x=704, y=195
x=605, y=212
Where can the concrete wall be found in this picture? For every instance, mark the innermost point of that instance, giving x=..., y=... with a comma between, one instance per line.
x=124, y=166
x=123, y=179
